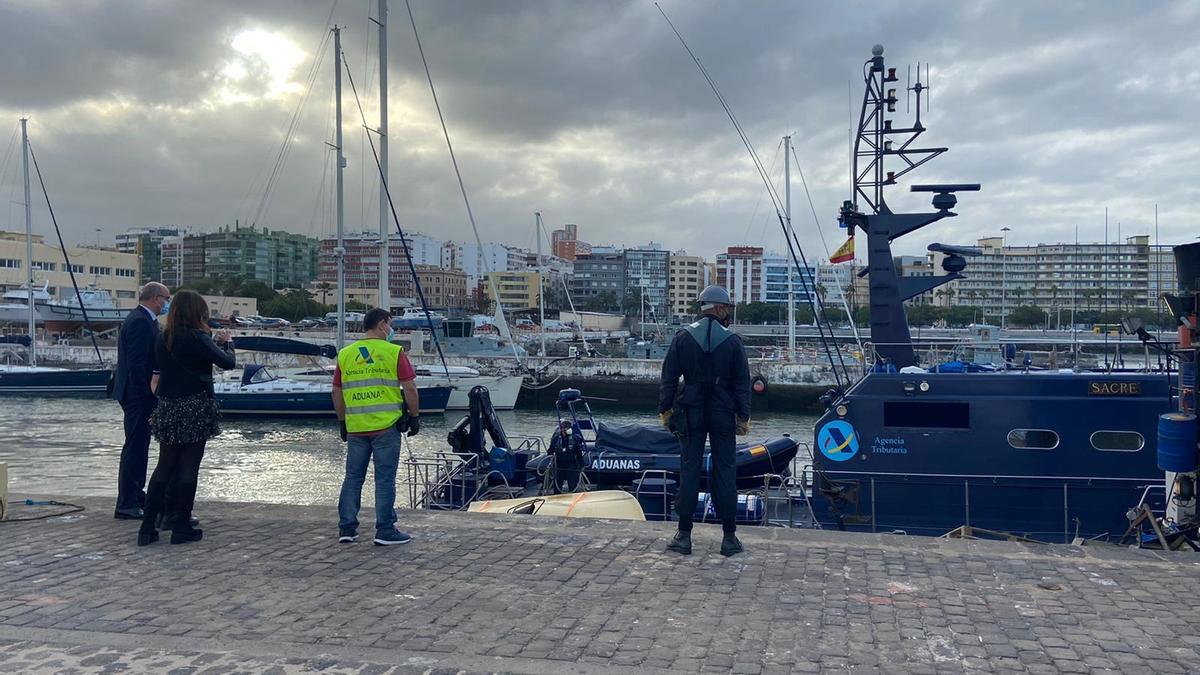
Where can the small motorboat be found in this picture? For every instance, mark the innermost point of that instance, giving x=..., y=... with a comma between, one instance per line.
x=612, y=504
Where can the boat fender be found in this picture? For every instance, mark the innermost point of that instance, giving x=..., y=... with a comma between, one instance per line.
x=759, y=384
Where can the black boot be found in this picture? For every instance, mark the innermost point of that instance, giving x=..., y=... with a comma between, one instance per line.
x=183, y=536
x=730, y=545
x=681, y=543
x=147, y=536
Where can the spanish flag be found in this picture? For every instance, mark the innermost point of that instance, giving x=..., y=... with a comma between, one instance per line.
x=845, y=253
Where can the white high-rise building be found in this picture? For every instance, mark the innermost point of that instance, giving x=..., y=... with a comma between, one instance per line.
x=1087, y=276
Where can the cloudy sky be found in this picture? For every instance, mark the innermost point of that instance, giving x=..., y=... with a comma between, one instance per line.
x=159, y=112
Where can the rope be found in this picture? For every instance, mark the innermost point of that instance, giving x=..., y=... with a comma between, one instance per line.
x=73, y=508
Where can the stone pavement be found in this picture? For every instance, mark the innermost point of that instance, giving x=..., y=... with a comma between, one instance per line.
x=270, y=590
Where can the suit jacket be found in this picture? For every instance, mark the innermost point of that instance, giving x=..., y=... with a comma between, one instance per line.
x=135, y=356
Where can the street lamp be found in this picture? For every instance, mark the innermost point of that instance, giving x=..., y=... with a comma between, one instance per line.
x=1003, y=276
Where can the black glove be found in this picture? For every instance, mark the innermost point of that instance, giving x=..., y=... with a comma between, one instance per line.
x=342, y=429
x=414, y=425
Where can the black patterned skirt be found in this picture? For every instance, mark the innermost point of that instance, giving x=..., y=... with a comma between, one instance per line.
x=189, y=419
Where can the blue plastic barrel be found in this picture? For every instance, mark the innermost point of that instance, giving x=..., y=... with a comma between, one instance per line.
x=657, y=497
x=1177, y=442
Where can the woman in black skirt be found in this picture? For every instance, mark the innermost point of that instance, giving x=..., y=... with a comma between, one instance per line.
x=186, y=416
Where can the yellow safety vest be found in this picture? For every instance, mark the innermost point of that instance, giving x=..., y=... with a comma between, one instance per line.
x=374, y=399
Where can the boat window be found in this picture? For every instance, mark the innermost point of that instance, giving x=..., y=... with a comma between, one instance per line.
x=1043, y=439
x=261, y=376
x=1118, y=441
x=927, y=414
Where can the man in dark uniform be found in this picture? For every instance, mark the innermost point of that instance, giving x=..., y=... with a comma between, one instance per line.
x=131, y=387
x=566, y=446
x=714, y=404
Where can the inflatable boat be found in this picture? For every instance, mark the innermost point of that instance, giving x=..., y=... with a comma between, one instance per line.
x=623, y=453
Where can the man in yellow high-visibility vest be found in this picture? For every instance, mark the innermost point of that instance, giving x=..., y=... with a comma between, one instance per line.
x=375, y=396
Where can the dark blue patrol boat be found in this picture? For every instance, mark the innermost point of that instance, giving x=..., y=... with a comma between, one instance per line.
x=1046, y=454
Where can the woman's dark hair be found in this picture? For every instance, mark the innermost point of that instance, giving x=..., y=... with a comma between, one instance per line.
x=188, y=310
x=374, y=317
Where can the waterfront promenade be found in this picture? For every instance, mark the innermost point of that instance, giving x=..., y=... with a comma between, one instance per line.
x=270, y=590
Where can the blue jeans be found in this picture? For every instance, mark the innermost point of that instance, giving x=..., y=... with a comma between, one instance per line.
x=385, y=448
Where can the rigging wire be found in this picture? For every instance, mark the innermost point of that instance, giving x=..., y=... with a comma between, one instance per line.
x=461, y=186
x=796, y=251
x=285, y=147
x=567, y=289
x=4, y=171
x=66, y=257
x=399, y=230
x=825, y=245
x=758, y=202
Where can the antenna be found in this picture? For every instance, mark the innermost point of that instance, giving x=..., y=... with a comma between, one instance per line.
x=918, y=87
x=928, y=81
x=908, y=89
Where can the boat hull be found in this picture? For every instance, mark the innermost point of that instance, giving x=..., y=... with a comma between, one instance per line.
x=610, y=504
x=930, y=453
x=53, y=381
x=607, y=468
x=250, y=403
x=61, y=318
x=504, y=391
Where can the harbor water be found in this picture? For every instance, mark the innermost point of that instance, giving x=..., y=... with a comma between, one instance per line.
x=66, y=446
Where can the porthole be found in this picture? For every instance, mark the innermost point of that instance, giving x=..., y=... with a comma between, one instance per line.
x=1117, y=441
x=1036, y=439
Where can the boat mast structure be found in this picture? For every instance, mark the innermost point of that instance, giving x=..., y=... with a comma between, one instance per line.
x=787, y=214
x=541, y=281
x=340, y=251
x=29, y=242
x=877, y=140
x=385, y=300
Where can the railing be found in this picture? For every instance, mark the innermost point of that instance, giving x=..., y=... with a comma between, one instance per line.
x=437, y=481
x=1044, y=352
x=858, y=504
x=431, y=481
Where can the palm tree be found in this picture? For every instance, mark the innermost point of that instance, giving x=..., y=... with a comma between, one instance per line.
x=821, y=292
x=324, y=287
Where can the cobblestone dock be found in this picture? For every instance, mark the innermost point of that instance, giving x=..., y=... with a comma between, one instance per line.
x=270, y=590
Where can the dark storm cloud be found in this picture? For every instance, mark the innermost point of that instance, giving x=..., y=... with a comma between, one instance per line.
x=593, y=113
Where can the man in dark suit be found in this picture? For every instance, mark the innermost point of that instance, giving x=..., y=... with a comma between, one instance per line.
x=135, y=367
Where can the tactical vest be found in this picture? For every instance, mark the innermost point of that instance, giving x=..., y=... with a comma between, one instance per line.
x=373, y=397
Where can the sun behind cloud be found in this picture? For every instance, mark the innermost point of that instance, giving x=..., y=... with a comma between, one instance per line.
x=261, y=66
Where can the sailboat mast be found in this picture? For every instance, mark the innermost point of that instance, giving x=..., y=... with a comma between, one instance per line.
x=787, y=213
x=385, y=300
x=541, y=280
x=340, y=251
x=28, y=242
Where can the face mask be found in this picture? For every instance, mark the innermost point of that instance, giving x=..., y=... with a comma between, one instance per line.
x=165, y=308
x=391, y=333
